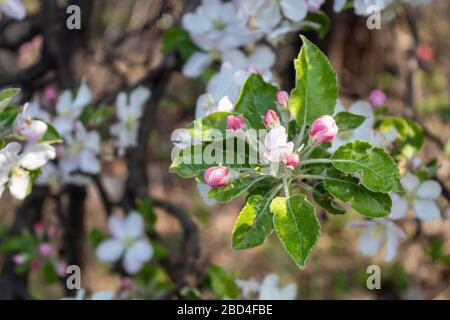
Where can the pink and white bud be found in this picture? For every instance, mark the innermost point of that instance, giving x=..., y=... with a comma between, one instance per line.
x=19, y=259
x=255, y=69
x=28, y=127
x=323, y=129
x=271, y=118
x=216, y=177
x=282, y=98
x=38, y=228
x=291, y=160
x=377, y=98
x=235, y=123
x=46, y=249
x=61, y=269
x=50, y=94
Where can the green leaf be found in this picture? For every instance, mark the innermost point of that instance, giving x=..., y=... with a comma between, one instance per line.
x=190, y=162
x=254, y=224
x=257, y=96
x=348, y=121
x=326, y=201
x=410, y=133
x=316, y=89
x=321, y=23
x=96, y=236
x=379, y=172
x=296, y=225
x=348, y=189
x=145, y=207
x=178, y=39
x=51, y=135
x=232, y=190
x=49, y=272
x=221, y=283
x=210, y=126
x=8, y=115
x=6, y=97
x=22, y=243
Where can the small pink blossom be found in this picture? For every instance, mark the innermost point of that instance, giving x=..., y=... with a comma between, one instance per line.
x=425, y=52
x=291, y=160
x=38, y=228
x=50, y=94
x=282, y=98
x=35, y=264
x=52, y=231
x=324, y=129
x=216, y=176
x=46, y=249
x=19, y=259
x=377, y=98
x=271, y=118
x=61, y=269
x=235, y=123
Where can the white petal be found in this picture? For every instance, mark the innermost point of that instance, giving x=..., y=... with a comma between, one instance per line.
x=92, y=141
x=116, y=226
x=225, y=105
x=267, y=15
x=36, y=155
x=64, y=103
x=109, y=250
x=371, y=239
x=426, y=209
x=83, y=97
x=294, y=10
x=203, y=190
x=139, y=96
x=89, y=162
x=134, y=225
x=262, y=57
x=289, y=292
x=122, y=105
x=196, y=64
x=410, y=182
x=13, y=8
x=196, y=24
x=399, y=207
x=339, y=5
x=237, y=59
x=19, y=183
x=395, y=235
x=139, y=253
x=429, y=189
x=63, y=125
x=32, y=129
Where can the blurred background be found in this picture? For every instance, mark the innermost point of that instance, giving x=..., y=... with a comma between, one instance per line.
x=121, y=43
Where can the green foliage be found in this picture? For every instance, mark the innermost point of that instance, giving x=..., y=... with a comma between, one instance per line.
x=348, y=189
x=410, y=133
x=96, y=236
x=6, y=96
x=221, y=283
x=348, y=121
x=178, y=39
x=326, y=201
x=316, y=90
x=321, y=23
x=379, y=172
x=8, y=115
x=296, y=225
x=51, y=135
x=255, y=99
x=232, y=190
x=145, y=207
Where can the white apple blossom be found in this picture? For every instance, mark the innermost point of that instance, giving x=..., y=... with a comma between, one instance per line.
x=276, y=144
x=421, y=196
x=13, y=8
x=15, y=167
x=215, y=27
x=127, y=241
x=222, y=91
x=129, y=111
x=378, y=233
x=81, y=152
x=34, y=110
x=69, y=109
x=269, y=13
x=368, y=7
x=29, y=127
x=248, y=286
x=270, y=290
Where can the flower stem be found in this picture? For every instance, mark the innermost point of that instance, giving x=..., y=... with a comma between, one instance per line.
x=286, y=187
x=314, y=161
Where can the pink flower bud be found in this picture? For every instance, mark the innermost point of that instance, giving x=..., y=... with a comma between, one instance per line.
x=61, y=269
x=424, y=52
x=38, y=228
x=271, y=119
x=19, y=259
x=377, y=98
x=216, y=176
x=291, y=160
x=35, y=264
x=46, y=249
x=323, y=129
x=282, y=98
x=52, y=231
x=235, y=122
x=50, y=94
